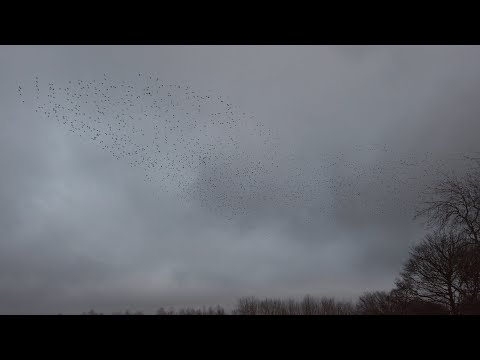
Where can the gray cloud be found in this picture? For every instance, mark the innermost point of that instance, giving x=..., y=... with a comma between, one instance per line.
x=81, y=230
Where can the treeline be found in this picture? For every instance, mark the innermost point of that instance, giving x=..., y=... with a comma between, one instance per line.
x=370, y=303
x=217, y=310
x=309, y=305
x=441, y=275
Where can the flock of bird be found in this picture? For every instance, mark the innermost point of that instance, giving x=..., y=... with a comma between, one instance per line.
x=206, y=149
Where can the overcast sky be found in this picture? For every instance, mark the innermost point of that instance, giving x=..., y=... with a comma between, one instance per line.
x=81, y=230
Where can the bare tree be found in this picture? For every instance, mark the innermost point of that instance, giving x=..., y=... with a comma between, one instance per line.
x=330, y=306
x=469, y=269
x=291, y=307
x=434, y=272
x=163, y=311
x=454, y=204
x=247, y=306
x=377, y=303
x=307, y=306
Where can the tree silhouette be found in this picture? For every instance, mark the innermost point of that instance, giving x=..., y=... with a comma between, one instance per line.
x=377, y=303
x=435, y=271
x=454, y=203
x=309, y=305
